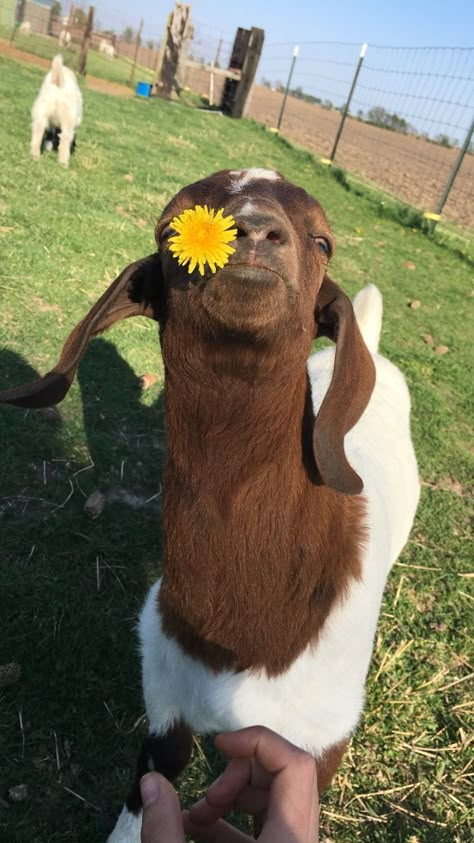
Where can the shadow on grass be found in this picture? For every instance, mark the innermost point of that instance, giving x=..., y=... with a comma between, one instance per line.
x=71, y=591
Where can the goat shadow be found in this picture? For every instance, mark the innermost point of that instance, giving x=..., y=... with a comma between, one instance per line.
x=72, y=587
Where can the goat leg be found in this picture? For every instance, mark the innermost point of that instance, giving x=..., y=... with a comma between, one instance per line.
x=167, y=754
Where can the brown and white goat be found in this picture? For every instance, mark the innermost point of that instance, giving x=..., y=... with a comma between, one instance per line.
x=290, y=482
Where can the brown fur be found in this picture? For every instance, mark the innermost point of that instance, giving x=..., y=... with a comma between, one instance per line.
x=257, y=550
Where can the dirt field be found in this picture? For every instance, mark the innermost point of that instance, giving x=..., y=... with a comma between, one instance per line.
x=405, y=166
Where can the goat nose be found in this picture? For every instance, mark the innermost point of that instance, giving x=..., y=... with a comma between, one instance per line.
x=261, y=227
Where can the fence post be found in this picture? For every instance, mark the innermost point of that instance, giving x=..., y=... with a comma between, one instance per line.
x=70, y=20
x=175, y=39
x=346, y=107
x=20, y=14
x=85, y=42
x=433, y=218
x=137, y=45
x=282, y=109
x=161, y=54
x=249, y=69
x=218, y=53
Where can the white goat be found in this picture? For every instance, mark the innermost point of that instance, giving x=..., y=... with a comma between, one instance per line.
x=58, y=107
x=107, y=49
x=25, y=28
x=65, y=38
x=290, y=484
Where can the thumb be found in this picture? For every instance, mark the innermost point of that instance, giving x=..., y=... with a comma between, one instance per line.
x=162, y=820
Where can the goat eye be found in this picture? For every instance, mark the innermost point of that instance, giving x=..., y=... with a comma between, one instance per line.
x=323, y=245
x=167, y=232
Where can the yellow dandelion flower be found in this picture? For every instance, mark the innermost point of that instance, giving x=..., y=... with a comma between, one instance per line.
x=202, y=236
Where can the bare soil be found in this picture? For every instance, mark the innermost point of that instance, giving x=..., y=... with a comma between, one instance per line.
x=408, y=167
x=404, y=165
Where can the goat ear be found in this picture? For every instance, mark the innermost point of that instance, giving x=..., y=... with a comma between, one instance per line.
x=349, y=392
x=137, y=291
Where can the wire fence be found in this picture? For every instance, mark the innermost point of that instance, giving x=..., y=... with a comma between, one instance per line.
x=411, y=110
x=409, y=115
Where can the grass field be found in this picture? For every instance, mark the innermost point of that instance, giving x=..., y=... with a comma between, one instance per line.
x=46, y=47
x=71, y=585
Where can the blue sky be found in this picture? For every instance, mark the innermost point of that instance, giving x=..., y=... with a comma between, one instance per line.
x=401, y=23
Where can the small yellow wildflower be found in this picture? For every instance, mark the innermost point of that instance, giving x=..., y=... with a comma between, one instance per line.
x=202, y=236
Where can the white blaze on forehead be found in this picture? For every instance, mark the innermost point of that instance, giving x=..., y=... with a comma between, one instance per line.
x=241, y=178
x=247, y=208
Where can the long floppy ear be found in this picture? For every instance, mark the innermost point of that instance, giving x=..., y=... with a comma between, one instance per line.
x=137, y=291
x=349, y=392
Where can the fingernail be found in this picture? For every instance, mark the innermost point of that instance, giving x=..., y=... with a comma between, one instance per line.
x=150, y=789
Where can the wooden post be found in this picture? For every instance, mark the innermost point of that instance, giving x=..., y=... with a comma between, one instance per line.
x=137, y=45
x=235, y=98
x=237, y=58
x=176, y=33
x=160, y=55
x=20, y=14
x=70, y=19
x=182, y=68
x=218, y=53
x=85, y=42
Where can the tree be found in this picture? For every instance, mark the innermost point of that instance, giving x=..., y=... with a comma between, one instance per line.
x=379, y=116
x=443, y=140
x=150, y=44
x=80, y=17
x=56, y=9
x=128, y=35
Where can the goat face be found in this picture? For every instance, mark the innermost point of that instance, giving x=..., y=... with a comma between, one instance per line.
x=271, y=281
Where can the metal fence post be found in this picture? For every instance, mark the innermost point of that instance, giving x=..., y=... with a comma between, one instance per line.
x=433, y=218
x=346, y=107
x=282, y=109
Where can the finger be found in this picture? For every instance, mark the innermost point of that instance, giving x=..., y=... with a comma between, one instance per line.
x=293, y=799
x=250, y=800
x=271, y=750
x=221, y=796
x=162, y=819
x=293, y=802
x=218, y=832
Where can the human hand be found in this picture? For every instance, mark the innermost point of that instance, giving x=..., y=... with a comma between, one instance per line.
x=267, y=777
x=162, y=820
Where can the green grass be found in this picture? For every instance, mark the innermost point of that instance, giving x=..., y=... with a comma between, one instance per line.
x=72, y=586
x=117, y=70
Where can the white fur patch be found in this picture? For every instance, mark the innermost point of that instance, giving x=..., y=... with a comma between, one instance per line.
x=127, y=829
x=241, y=178
x=247, y=209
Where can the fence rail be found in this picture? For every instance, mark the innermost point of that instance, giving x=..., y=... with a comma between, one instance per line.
x=409, y=115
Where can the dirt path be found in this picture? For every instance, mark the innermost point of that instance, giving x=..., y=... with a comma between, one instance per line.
x=92, y=82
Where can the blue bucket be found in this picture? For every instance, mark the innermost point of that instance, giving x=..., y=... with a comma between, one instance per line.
x=143, y=89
